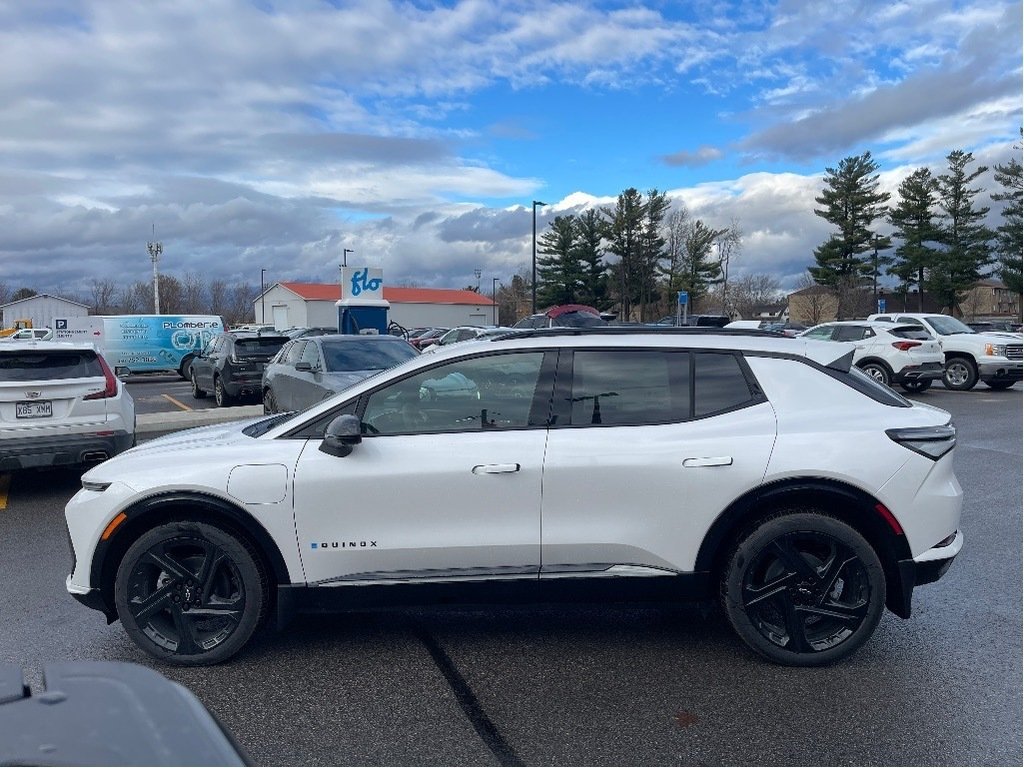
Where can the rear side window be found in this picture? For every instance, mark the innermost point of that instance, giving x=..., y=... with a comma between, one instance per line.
x=37, y=366
x=630, y=387
x=719, y=383
x=853, y=333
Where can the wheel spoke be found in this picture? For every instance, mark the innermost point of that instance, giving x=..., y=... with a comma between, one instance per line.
x=795, y=627
x=172, y=567
x=212, y=561
x=793, y=558
x=753, y=595
x=830, y=573
x=183, y=622
x=231, y=610
x=850, y=615
x=142, y=609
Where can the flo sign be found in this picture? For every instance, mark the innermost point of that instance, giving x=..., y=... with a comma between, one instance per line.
x=362, y=284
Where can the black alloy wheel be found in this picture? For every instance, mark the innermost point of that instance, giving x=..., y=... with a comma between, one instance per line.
x=916, y=387
x=190, y=593
x=197, y=392
x=804, y=589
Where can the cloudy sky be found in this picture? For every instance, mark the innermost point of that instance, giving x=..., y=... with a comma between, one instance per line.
x=266, y=134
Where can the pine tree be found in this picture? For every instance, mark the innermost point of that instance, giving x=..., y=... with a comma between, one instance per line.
x=965, y=237
x=851, y=201
x=913, y=220
x=652, y=251
x=1009, y=234
x=559, y=278
x=624, y=232
x=700, y=267
x=590, y=257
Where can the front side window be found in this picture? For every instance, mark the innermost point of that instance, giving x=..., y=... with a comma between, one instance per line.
x=491, y=392
x=629, y=387
x=311, y=355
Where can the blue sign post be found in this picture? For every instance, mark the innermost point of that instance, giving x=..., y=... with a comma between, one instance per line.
x=681, y=307
x=881, y=305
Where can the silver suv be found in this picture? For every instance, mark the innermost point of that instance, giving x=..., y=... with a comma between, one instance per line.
x=765, y=473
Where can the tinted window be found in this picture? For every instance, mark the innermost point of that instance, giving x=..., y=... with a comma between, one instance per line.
x=911, y=332
x=493, y=392
x=823, y=332
x=35, y=366
x=852, y=333
x=630, y=387
x=259, y=346
x=365, y=355
x=719, y=383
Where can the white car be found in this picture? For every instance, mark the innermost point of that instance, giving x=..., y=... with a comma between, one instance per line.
x=970, y=357
x=465, y=333
x=888, y=352
x=60, y=404
x=562, y=464
x=30, y=334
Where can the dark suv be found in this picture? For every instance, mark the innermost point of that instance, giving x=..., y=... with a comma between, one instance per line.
x=232, y=365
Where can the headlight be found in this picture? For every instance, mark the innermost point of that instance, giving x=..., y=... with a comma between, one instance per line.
x=995, y=350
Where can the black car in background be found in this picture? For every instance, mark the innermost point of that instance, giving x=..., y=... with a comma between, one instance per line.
x=307, y=370
x=232, y=365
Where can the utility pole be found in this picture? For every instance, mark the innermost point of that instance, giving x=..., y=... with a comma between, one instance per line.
x=155, y=249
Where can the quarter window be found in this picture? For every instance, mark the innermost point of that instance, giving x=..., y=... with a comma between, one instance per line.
x=719, y=383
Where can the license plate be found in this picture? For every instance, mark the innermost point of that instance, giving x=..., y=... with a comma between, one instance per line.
x=37, y=409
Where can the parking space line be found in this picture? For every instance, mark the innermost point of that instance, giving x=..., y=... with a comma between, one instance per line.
x=5, y=485
x=177, y=403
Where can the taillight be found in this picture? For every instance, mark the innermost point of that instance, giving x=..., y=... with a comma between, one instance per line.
x=933, y=442
x=110, y=382
x=903, y=346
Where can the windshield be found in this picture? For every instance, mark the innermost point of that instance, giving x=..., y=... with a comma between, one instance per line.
x=945, y=325
x=365, y=355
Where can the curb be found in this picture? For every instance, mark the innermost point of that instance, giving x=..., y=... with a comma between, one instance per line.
x=172, y=421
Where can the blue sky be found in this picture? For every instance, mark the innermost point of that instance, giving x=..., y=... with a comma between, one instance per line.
x=271, y=135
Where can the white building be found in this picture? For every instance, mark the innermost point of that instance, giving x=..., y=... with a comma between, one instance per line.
x=41, y=309
x=291, y=305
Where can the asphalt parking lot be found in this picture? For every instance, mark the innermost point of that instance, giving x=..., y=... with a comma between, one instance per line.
x=627, y=684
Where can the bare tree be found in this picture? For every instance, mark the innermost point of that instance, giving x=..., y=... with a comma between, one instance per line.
x=813, y=304
x=5, y=292
x=193, y=294
x=103, y=296
x=171, y=294
x=729, y=242
x=218, y=297
x=240, y=304
x=751, y=291
x=137, y=299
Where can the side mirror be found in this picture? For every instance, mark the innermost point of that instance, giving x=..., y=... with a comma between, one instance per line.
x=341, y=435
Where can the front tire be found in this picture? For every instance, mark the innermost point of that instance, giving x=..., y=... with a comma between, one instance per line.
x=197, y=392
x=961, y=374
x=190, y=593
x=269, y=402
x=803, y=589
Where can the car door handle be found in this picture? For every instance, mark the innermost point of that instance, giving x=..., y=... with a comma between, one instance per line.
x=495, y=469
x=709, y=461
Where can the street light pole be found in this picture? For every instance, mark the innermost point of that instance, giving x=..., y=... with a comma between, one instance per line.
x=533, y=283
x=494, y=298
x=155, y=249
x=263, y=298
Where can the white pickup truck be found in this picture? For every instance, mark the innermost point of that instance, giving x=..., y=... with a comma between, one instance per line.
x=995, y=358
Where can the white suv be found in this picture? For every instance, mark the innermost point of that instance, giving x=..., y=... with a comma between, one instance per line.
x=558, y=464
x=60, y=404
x=890, y=353
x=994, y=358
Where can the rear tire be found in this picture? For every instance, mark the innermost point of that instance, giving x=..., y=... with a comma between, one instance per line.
x=269, y=402
x=190, y=593
x=916, y=387
x=877, y=371
x=961, y=374
x=803, y=589
x=220, y=395
x=185, y=369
